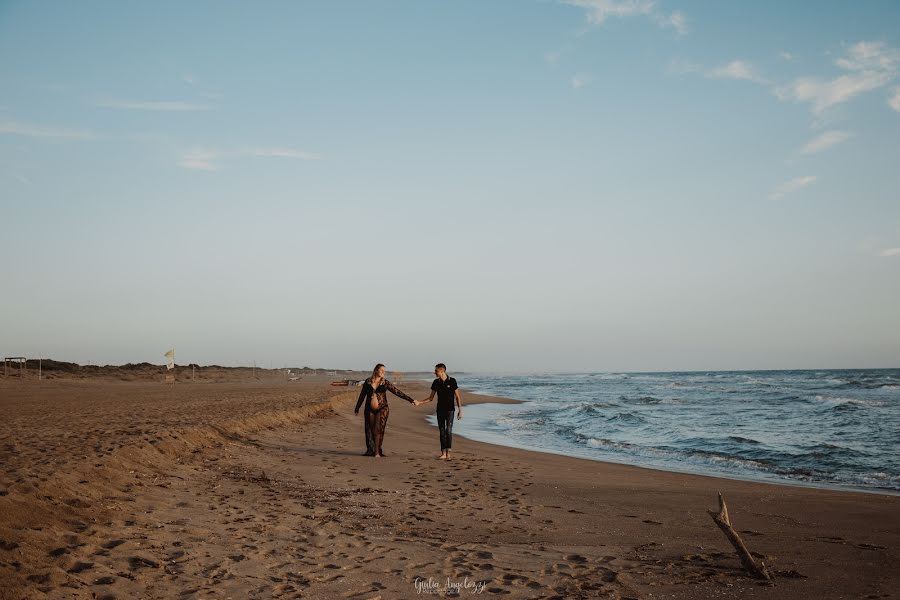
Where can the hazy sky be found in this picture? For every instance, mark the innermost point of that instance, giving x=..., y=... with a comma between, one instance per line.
x=584, y=185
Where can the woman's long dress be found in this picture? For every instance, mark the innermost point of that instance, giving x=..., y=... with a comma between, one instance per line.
x=376, y=420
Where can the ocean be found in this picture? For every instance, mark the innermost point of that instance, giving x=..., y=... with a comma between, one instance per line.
x=828, y=428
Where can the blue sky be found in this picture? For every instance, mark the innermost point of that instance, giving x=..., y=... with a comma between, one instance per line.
x=584, y=185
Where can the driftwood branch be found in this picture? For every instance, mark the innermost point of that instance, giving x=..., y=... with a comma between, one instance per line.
x=724, y=522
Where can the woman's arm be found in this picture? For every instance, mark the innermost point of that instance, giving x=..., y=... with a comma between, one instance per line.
x=362, y=396
x=397, y=392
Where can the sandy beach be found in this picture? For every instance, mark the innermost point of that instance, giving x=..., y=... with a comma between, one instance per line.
x=655, y=244
x=258, y=489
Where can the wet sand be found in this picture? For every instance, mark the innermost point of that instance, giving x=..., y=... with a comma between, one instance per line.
x=259, y=490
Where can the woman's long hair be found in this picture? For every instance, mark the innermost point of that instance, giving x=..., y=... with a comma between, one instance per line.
x=375, y=372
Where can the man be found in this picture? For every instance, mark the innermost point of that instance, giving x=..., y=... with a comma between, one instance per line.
x=448, y=394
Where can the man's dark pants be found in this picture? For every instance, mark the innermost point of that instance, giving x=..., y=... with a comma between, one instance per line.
x=445, y=426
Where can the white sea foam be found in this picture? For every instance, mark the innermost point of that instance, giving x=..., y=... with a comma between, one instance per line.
x=844, y=401
x=836, y=400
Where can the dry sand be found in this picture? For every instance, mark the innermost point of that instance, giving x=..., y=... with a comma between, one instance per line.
x=259, y=490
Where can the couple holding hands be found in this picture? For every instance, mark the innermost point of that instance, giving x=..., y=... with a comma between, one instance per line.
x=374, y=394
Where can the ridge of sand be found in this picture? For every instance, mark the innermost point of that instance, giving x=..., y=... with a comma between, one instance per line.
x=260, y=491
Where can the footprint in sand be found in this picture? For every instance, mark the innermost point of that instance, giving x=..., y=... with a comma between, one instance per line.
x=79, y=566
x=140, y=562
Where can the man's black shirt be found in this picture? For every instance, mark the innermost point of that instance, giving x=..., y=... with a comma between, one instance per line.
x=446, y=393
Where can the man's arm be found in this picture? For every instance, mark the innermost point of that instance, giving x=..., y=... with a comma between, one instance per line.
x=458, y=404
x=428, y=399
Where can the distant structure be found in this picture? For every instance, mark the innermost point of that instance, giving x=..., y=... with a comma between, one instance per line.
x=170, y=364
x=14, y=361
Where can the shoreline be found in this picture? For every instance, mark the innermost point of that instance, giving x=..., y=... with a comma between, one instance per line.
x=483, y=398
x=267, y=494
x=664, y=497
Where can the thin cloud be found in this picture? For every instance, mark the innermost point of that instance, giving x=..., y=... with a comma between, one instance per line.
x=552, y=57
x=164, y=106
x=679, y=66
x=791, y=186
x=739, y=70
x=210, y=159
x=894, y=100
x=890, y=252
x=783, y=55
x=579, y=80
x=871, y=65
x=30, y=130
x=201, y=90
x=204, y=160
x=598, y=12
x=870, y=56
x=822, y=94
x=825, y=141
x=283, y=153
x=676, y=20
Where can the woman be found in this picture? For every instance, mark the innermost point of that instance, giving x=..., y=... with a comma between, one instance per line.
x=374, y=393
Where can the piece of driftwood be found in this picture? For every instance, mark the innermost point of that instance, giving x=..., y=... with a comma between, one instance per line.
x=721, y=519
